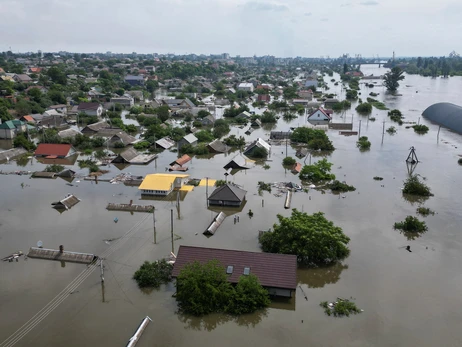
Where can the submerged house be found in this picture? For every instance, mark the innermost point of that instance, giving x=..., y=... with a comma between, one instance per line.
x=66, y=203
x=189, y=139
x=165, y=143
x=239, y=162
x=121, y=137
x=10, y=128
x=54, y=150
x=275, y=272
x=227, y=195
x=259, y=143
x=319, y=115
x=161, y=184
x=216, y=146
x=131, y=156
x=280, y=135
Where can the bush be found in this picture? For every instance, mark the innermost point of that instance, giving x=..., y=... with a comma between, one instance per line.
x=341, y=187
x=315, y=138
x=391, y=130
x=142, y=145
x=259, y=152
x=377, y=104
x=420, y=129
x=119, y=144
x=233, y=141
x=411, y=224
x=264, y=186
x=425, y=211
x=364, y=108
x=459, y=161
x=54, y=168
x=351, y=94
x=204, y=136
x=414, y=186
x=312, y=238
x=219, y=183
x=317, y=172
x=268, y=117
x=153, y=274
x=340, y=308
x=21, y=141
x=288, y=161
x=396, y=116
x=204, y=288
x=363, y=143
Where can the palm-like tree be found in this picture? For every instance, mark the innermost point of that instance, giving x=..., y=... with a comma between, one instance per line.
x=392, y=78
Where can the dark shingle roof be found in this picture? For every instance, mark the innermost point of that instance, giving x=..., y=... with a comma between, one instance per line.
x=228, y=192
x=272, y=270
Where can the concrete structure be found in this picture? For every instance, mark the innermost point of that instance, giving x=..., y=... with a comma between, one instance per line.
x=161, y=184
x=10, y=128
x=275, y=272
x=248, y=87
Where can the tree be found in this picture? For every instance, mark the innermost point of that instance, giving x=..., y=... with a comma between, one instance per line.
x=203, y=114
x=315, y=138
x=151, y=86
x=56, y=96
x=320, y=171
x=57, y=75
x=248, y=296
x=345, y=68
x=23, y=108
x=153, y=274
x=204, y=136
x=288, y=161
x=163, y=113
x=312, y=238
x=21, y=141
x=392, y=78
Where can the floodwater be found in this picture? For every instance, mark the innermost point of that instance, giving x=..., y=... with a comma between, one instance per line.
x=408, y=298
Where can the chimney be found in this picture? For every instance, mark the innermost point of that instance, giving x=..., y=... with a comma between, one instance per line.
x=61, y=249
x=131, y=202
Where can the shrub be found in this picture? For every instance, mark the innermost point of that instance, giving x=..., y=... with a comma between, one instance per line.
x=54, y=168
x=21, y=141
x=204, y=136
x=341, y=187
x=259, y=152
x=414, y=186
x=363, y=143
x=268, y=117
x=119, y=144
x=420, y=129
x=425, y=211
x=315, y=138
x=264, y=186
x=233, y=141
x=364, y=108
x=378, y=178
x=288, y=161
x=396, y=116
x=153, y=274
x=351, y=94
x=320, y=171
x=391, y=130
x=142, y=145
x=459, y=161
x=340, y=308
x=411, y=224
x=220, y=183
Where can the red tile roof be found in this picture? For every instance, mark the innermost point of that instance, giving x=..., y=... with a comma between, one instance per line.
x=297, y=167
x=272, y=270
x=52, y=149
x=29, y=119
x=181, y=161
x=35, y=69
x=264, y=97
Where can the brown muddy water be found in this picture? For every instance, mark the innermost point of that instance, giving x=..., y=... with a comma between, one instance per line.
x=408, y=298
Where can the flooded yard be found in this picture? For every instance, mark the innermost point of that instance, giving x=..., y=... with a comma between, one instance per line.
x=408, y=298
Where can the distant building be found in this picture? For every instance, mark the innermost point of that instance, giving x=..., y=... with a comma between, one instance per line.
x=306, y=94
x=319, y=115
x=188, y=139
x=121, y=137
x=90, y=108
x=125, y=100
x=248, y=87
x=264, y=98
x=134, y=80
x=10, y=128
x=22, y=78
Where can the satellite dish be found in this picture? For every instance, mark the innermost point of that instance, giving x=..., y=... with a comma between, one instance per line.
x=39, y=244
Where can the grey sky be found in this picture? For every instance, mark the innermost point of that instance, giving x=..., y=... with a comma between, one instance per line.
x=244, y=27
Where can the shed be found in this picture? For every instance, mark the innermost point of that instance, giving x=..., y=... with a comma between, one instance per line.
x=275, y=272
x=66, y=203
x=189, y=139
x=445, y=114
x=131, y=156
x=239, y=162
x=216, y=146
x=227, y=195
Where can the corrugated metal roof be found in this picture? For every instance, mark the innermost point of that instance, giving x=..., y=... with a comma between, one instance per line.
x=165, y=142
x=159, y=181
x=445, y=114
x=218, y=146
x=272, y=270
x=190, y=138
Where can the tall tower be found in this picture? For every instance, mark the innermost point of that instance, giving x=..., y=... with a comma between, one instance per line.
x=393, y=55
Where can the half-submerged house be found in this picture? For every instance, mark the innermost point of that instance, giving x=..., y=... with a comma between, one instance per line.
x=227, y=195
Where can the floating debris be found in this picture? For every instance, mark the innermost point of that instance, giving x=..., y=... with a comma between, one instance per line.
x=13, y=256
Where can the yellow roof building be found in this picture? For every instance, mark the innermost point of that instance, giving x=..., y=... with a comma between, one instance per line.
x=163, y=182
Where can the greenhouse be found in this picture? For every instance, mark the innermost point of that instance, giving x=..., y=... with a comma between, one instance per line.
x=445, y=114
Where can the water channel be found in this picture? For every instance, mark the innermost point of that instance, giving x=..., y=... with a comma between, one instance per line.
x=408, y=298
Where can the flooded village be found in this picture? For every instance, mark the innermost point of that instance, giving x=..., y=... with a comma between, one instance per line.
x=134, y=157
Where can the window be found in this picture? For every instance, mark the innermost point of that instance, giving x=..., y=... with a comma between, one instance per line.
x=229, y=269
x=246, y=271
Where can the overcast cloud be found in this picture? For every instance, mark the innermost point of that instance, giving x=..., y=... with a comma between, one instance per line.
x=239, y=27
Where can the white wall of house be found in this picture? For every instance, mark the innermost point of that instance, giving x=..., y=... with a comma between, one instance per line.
x=318, y=115
x=156, y=192
x=98, y=112
x=7, y=133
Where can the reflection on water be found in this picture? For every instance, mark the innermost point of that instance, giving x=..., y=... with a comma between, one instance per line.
x=412, y=235
x=212, y=321
x=320, y=276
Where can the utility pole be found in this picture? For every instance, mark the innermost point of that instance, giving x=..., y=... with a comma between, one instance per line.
x=383, y=128
x=286, y=146
x=359, y=133
x=171, y=229
x=154, y=221
x=207, y=190
x=438, y=136
x=102, y=269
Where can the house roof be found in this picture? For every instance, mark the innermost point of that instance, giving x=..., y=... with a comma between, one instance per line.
x=244, y=114
x=47, y=149
x=88, y=106
x=272, y=270
x=218, y=146
x=241, y=161
x=134, y=78
x=264, y=97
x=159, y=181
x=28, y=119
x=228, y=192
x=35, y=69
x=123, y=137
x=331, y=100
x=181, y=161
x=57, y=106
x=323, y=111
x=165, y=142
x=68, y=133
x=190, y=138
x=7, y=125
x=128, y=154
x=68, y=201
x=97, y=126
x=23, y=77
x=297, y=167
x=259, y=143
x=209, y=118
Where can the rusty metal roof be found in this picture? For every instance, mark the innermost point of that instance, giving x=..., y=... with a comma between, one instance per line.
x=272, y=270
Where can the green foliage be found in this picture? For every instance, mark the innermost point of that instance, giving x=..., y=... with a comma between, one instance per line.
x=351, y=94
x=276, y=104
x=312, y=238
x=219, y=183
x=57, y=75
x=420, y=129
x=414, y=186
x=264, y=186
x=268, y=117
x=364, y=108
x=259, y=152
x=21, y=141
x=290, y=93
x=55, y=96
x=288, y=161
x=340, y=187
x=363, y=143
x=119, y=144
x=54, y=168
x=315, y=138
x=396, y=116
x=203, y=113
x=233, y=141
x=204, y=288
x=220, y=128
x=377, y=104
x=142, y=145
x=391, y=79
x=131, y=129
x=411, y=224
x=343, y=105
x=153, y=274
x=425, y=211
x=391, y=130
x=233, y=112
x=100, y=154
x=200, y=149
x=320, y=171
x=287, y=116
x=204, y=136
x=88, y=163
x=340, y=308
